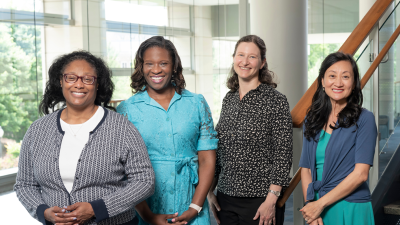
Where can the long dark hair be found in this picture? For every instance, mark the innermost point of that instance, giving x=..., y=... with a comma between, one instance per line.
x=138, y=81
x=265, y=76
x=321, y=107
x=53, y=93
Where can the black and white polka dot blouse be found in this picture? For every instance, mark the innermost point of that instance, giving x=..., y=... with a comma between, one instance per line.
x=255, y=142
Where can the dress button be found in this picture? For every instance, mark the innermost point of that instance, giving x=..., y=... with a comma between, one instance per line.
x=171, y=192
x=76, y=178
x=79, y=160
x=172, y=154
x=170, y=210
x=169, y=135
x=167, y=118
x=172, y=174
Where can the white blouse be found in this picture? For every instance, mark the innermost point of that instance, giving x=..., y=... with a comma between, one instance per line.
x=75, y=138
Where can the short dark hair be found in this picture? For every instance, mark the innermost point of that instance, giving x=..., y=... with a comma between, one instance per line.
x=321, y=107
x=53, y=92
x=265, y=76
x=138, y=81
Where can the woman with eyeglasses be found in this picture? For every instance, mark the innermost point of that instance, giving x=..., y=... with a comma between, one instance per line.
x=84, y=163
x=178, y=130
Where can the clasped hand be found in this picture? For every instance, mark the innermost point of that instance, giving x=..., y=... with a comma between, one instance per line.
x=161, y=219
x=79, y=213
x=311, y=213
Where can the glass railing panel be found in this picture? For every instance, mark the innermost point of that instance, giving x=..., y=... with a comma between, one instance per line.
x=363, y=58
x=389, y=15
x=389, y=88
x=389, y=106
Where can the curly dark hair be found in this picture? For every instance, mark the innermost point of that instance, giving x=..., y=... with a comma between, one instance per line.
x=138, y=80
x=321, y=107
x=53, y=93
x=265, y=76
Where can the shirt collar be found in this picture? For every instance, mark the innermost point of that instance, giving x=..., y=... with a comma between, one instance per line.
x=143, y=96
x=262, y=88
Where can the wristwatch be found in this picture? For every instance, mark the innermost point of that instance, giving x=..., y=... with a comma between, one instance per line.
x=196, y=207
x=277, y=193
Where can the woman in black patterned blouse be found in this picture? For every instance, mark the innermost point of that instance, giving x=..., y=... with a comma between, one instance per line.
x=254, y=153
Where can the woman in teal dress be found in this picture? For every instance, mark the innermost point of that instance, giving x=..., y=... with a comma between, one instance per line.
x=178, y=131
x=338, y=148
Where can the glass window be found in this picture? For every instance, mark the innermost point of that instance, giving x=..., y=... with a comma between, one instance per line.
x=150, y=12
x=225, y=34
x=20, y=86
x=330, y=22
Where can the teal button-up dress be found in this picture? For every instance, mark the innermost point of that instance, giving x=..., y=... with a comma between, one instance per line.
x=173, y=138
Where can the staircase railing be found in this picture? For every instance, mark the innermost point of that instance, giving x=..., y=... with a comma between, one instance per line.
x=350, y=46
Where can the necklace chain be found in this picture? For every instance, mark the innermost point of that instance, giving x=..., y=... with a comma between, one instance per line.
x=70, y=128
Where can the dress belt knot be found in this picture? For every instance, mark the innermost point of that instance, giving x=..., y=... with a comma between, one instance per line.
x=191, y=164
x=312, y=187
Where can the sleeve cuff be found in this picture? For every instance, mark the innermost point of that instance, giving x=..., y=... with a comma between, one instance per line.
x=208, y=144
x=40, y=214
x=303, y=165
x=100, y=210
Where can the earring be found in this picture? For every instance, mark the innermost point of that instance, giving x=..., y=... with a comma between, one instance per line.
x=323, y=89
x=172, y=79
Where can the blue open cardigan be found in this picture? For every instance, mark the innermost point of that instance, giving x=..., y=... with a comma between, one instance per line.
x=346, y=147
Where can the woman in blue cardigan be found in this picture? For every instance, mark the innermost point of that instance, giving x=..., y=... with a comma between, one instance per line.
x=338, y=148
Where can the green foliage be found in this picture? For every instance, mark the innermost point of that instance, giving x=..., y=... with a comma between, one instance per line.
x=13, y=150
x=19, y=91
x=12, y=118
x=318, y=52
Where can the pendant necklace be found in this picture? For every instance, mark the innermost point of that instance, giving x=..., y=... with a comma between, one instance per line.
x=70, y=128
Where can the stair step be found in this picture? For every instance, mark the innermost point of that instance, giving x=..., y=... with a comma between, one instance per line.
x=392, y=209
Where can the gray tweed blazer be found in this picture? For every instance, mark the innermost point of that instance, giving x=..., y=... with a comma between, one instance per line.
x=113, y=174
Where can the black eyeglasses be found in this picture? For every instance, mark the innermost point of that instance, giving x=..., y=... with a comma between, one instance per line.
x=72, y=78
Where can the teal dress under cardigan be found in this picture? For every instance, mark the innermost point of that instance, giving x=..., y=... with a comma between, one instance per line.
x=173, y=138
x=342, y=211
x=346, y=147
